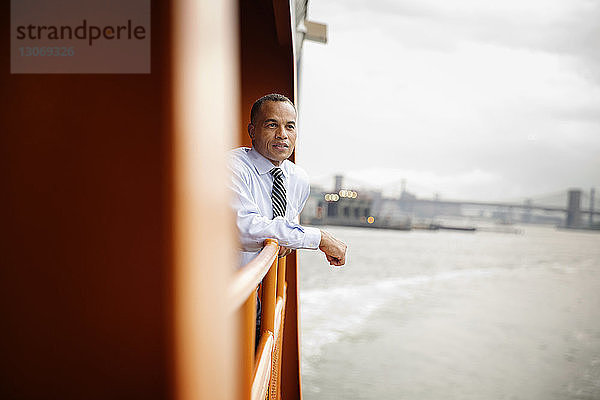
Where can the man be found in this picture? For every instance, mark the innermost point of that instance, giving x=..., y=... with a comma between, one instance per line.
x=270, y=191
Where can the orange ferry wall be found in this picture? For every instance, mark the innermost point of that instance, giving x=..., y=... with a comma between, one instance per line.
x=99, y=217
x=84, y=172
x=100, y=236
x=268, y=66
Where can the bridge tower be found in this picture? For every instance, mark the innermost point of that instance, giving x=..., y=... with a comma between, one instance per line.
x=526, y=215
x=574, y=209
x=592, y=196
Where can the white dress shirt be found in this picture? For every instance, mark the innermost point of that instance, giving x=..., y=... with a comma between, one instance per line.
x=251, y=184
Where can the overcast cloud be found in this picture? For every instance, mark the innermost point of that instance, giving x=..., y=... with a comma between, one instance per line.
x=469, y=99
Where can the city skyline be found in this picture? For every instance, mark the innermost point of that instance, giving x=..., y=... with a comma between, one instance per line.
x=557, y=198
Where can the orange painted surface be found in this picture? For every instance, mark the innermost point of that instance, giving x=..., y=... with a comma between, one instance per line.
x=117, y=240
x=85, y=182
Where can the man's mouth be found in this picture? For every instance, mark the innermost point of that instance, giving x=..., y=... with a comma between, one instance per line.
x=280, y=146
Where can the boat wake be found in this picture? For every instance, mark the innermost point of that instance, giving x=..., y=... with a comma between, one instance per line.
x=329, y=314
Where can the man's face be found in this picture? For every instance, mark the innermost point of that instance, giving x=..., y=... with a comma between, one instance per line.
x=274, y=131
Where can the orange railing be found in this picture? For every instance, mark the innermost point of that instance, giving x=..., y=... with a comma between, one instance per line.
x=261, y=368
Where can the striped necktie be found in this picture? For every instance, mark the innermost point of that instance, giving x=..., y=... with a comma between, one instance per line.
x=278, y=193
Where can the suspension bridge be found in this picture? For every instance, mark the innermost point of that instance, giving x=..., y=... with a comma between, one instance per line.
x=574, y=204
x=575, y=207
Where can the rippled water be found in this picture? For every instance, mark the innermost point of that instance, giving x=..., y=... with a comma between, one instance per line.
x=453, y=315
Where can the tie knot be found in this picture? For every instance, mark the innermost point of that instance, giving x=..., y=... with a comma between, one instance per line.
x=276, y=172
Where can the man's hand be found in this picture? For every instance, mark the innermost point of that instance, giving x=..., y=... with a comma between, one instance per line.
x=284, y=251
x=334, y=249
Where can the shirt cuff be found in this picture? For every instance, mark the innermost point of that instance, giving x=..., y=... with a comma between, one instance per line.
x=312, y=238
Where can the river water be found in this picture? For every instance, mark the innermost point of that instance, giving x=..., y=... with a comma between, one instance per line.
x=453, y=315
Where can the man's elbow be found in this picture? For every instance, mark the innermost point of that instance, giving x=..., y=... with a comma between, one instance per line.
x=252, y=245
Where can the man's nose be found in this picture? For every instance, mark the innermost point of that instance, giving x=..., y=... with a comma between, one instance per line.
x=281, y=133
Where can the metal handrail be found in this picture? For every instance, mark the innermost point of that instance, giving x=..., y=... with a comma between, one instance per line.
x=261, y=365
x=246, y=279
x=262, y=371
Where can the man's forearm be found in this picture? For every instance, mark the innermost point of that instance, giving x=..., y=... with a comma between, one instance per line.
x=255, y=229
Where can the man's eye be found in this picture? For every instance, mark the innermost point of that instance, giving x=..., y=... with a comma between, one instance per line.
x=291, y=127
x=272, y=125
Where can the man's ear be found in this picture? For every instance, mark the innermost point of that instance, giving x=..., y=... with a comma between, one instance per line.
x=251, y=131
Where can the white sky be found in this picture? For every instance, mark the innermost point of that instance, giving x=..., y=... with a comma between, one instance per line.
x=470, y=99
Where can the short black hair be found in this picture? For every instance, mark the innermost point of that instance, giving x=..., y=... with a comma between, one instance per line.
x=269, y=97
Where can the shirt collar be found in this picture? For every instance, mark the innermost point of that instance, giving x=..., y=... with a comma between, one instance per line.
x=262, y=164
